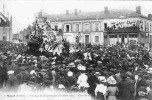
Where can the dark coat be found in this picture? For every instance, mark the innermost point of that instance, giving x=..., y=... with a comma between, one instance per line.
x=141, y=83
x=92, y=80
x=71, y=80
x=126, y=90
x=12, y=84
x=3, y=76
x=62, y=81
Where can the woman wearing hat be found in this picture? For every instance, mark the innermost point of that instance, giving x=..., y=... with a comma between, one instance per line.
x=101, y=88
x=82, y=78
x=112, y=89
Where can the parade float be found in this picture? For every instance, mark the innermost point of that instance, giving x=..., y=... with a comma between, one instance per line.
x=44, y=39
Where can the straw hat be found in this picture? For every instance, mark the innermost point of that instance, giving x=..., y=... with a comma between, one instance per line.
x=102, y=79
x=150, y=70
x=53, y=63
x=99, y=62
x=71, y=65
x=43, y=70
x=97, y=73
x=81, y=67
x=61, y=86
x=10, y=72
x=54, y=58
x=111, y=80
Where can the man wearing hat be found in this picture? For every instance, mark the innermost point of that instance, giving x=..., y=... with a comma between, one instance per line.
x=12, y=82
x=23, y=73
x=141, y=81
x=71, y=78
x=131, y=83
x=24, y=87
x=3, y=75
x=62, y=81
x=125, y=88
x=83, y=78
x=92, y=81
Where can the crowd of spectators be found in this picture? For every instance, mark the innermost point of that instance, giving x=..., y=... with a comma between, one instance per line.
x=104, y=72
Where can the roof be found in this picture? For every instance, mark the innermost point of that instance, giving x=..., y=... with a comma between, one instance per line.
x=5, y=21
x=95, y=15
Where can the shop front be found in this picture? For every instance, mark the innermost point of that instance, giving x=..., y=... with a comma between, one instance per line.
x=123, y=35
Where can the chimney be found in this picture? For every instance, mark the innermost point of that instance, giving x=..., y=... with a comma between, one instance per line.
x=105, y=9
x=76, y=12
x=150, y=16
x=138, y=9
x=67, y=12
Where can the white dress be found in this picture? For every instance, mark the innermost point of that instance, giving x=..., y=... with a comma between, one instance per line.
x=82, y=81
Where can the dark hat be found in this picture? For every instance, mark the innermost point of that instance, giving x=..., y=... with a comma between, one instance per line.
x=135, y=64
x=64, y=62
x=140, y=74
x=123, y=76
x=22, y=68
x=58, y=62
x=129, y=74
x=142, y=89
x=90, y=68
x=104, y=67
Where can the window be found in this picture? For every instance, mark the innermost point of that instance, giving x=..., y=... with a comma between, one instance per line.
x=77, y=27
x=133, y=35
x=97, y=39
x=113, y=36
x=56, y=28
x=96, y=26
x=4, y=38
x=67, y=28
x=114, y=26
x=105, y=25
x=150, y=27
x=147, y=27
x=87, y=27
x=105, y=36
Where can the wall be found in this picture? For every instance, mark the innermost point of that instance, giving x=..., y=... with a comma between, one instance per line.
x=1, y=33
x=101, y=37
x=143, y=24
x=70, y=37
x=5, y=31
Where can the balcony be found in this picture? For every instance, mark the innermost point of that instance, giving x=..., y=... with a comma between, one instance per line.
x=122, y=30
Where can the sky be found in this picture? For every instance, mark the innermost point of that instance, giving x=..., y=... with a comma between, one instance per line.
x=23, y=11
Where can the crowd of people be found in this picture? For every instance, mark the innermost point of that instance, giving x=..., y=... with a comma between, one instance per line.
x=104, y=72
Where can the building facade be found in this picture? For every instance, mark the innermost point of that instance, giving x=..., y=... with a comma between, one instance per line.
x=5, y=22
x=104, y=27
x=5, y=28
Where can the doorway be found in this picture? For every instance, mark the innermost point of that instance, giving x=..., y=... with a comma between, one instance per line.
x=122, y=38
x=86, y=39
